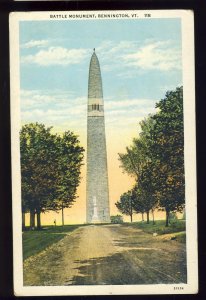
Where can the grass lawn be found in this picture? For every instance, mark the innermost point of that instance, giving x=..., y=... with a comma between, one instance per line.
x=177, y=227
x=160, y=228
x=36, y=241
x=181, y=236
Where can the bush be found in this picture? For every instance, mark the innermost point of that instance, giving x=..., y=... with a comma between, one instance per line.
x=116, y=219
x=173, y=217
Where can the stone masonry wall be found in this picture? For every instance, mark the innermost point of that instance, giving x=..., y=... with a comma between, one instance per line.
x=97, y=176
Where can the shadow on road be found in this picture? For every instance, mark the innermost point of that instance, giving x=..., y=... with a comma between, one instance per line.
x=131, y=267
x=108, y=255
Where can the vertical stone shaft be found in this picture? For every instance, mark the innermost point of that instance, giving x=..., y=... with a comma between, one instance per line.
x=97, y=175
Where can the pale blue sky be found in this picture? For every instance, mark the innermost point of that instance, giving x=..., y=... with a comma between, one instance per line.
x=140, y=60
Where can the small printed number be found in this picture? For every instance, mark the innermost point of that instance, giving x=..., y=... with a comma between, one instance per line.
x=178, y=288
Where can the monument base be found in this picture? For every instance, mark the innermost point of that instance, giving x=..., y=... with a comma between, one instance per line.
x=96, y=222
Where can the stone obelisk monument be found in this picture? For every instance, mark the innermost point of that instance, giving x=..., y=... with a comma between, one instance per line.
x=97, y=176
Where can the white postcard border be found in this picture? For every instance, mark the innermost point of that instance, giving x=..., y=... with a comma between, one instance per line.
x=190, y=160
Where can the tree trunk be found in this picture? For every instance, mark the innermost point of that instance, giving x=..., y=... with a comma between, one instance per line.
x=32, y=219
x=131, y=212
x=23, y=220
x=38, y=220
x=62, y=215
x=131, y=217
x=153, y=221
x=142, y=217
x=148, y=217
x=167, y=218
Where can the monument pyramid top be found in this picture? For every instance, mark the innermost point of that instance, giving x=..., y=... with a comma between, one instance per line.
x=95, y=80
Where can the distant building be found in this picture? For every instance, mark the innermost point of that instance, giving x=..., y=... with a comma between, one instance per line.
x=97, y=175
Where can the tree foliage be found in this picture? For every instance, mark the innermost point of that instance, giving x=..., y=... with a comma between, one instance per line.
x=125, y=204
x=168, y=151
x=156, y=157
x=50, y=169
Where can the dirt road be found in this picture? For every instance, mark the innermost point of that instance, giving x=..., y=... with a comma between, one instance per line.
x=108, y=254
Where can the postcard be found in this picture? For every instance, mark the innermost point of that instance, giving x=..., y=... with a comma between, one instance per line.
x=103, y=152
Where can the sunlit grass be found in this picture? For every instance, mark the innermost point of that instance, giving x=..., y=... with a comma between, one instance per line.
x=159, y=226
x=36, y=241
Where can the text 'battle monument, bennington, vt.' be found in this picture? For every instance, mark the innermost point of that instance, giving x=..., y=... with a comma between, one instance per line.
x=97, y=174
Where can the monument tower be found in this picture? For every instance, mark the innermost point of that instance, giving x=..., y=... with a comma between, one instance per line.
x=97, y=176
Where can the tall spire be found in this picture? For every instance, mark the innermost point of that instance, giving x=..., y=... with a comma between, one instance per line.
x=95, y=80
x=97, y=177
x=95, y=93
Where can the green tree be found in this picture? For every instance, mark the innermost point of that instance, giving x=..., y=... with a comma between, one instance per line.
x=138, y=201
x=70, y=156
x=125, y=204
x=156, y=157
x=45, y=167
x=137, y=162
x=38, y=168
x=167, y=152
x=135, y=157
x=145, y=199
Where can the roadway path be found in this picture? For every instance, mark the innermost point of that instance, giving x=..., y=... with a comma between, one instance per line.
x=108, y=254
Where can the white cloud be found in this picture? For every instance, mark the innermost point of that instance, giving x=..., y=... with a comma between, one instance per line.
x=56, y=56
x=124, y=47
x=64, y=111
x=52, y=108
x=112, y=104
x=170, y=87
x=130, y=55
x=35, y=43
x=110, y=48
x=160, y=55
x=152, y=55
x=38, y=98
